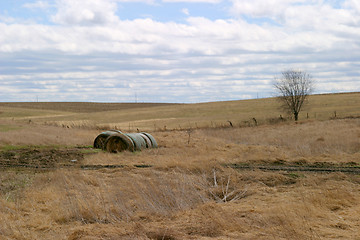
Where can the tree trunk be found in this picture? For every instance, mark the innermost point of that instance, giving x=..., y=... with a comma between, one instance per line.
x=296, y=116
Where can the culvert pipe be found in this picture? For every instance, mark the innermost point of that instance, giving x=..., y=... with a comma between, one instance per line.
x=152, y=139
x=118, y=142
x=138, y=140
x=101, y=138
x=147, y=140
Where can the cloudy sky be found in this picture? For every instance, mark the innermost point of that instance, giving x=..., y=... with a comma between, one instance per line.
x=173, y=50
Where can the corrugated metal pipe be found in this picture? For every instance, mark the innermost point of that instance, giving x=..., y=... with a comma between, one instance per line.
x=117, y=141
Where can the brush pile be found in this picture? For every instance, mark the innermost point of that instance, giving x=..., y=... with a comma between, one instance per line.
x=116, y=141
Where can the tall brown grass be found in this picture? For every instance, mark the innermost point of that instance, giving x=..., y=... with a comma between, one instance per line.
x=147, y=204
x=118, y=196
x=303, y=139
x=187, y=192
x=35, y=134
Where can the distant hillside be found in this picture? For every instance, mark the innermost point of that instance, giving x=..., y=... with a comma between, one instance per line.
x=155, y=116
x=80, y=107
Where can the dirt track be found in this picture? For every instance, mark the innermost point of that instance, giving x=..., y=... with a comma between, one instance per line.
x=296, y=168
x=50, y=158
x=40, y=158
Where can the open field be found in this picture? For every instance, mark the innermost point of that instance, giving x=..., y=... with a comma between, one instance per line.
x=203, y=182
x=154, y=117
x=83, y=107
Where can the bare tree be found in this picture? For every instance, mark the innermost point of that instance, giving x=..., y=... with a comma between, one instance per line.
x=293, y=87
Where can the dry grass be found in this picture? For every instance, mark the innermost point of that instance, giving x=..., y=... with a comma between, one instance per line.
x=147, y=204
x=155, y=117
x=187, y=193
x=34, y=134
x=309, y=139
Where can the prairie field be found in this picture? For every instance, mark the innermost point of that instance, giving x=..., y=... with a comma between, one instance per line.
x=217, y=173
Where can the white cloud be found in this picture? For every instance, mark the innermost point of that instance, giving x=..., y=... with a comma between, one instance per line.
x=352, y=5
x=262, y=8
x=89, y=12
x=185, y=11
x=7, y=19
x=300, y=13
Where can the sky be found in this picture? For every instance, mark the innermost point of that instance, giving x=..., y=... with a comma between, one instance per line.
x=180, y=51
